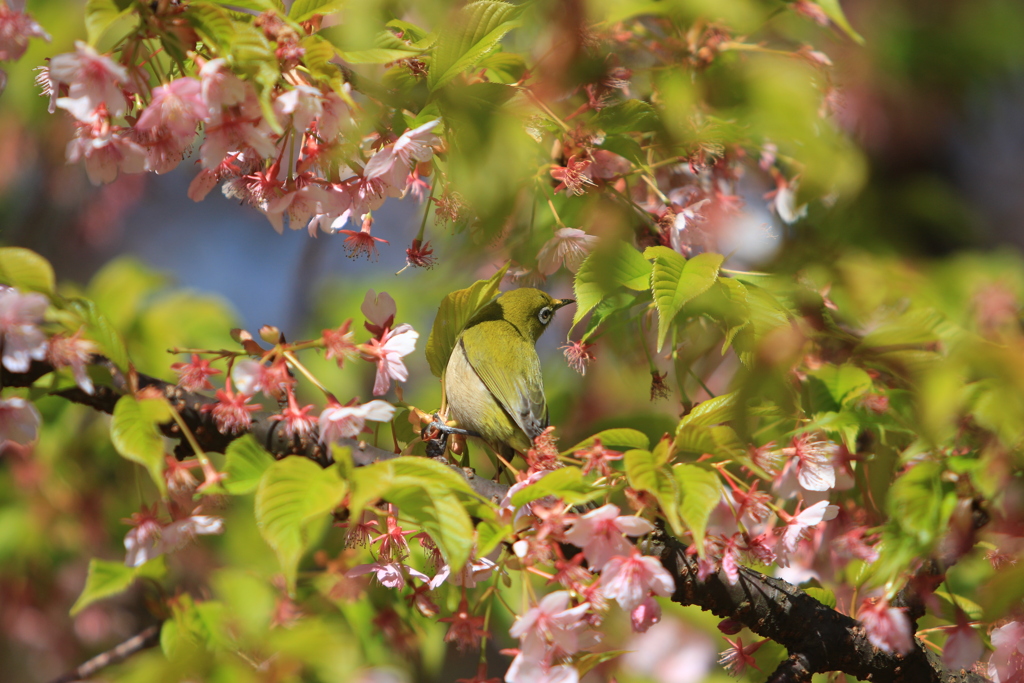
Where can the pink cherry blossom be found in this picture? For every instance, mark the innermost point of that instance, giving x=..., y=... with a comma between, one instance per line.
x=390, y=575
x=393, y=162
x=303, y=103
x=300, y=205
x=578, y=355
x=19, y=421
x=387, y=353
x=812, y=516
x=237, y=129
x=150, y=538
x=1006, y=665
x=92, y=80
x=74, y=352
x=738, y=657
x=888, y=628
x=20, y=317
x=220, y=87
x=177, y=106
x=569, y=247
x=335, y=114
x=574, y=176
x=346, y=422
x=600, y=534
x=963, y=647
x=645, y=615
x=15, y=30
x=379, y=310
x=296, y=419
x=628, y=580
x=552, y=621
x=362, y=241
x=231, y=412
x=105, y=152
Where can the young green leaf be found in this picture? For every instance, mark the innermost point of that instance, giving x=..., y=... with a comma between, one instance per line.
x=606, y=269
x=292, y=495
x=106, y=578
x=566, y=483
x=644, y=474
x=245, y=464
x=135, y=435
x=676, y=280
x=622, y=437
x=474, y=31
x=26, y=270
x=701, y=490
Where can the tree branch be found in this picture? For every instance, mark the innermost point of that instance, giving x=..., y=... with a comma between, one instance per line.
x=141, y=641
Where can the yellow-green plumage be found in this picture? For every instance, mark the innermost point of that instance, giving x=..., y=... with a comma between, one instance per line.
x=493, y=383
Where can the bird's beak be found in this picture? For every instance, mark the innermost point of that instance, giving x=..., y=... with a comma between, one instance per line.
x=563, y=302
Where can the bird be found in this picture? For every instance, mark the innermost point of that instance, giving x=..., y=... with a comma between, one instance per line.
x=492, y=384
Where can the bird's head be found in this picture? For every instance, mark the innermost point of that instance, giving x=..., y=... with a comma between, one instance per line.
x=529, y=310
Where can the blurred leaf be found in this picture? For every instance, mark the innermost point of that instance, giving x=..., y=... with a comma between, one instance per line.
x=606, y=269
x=387, y=48
x=99, y=330
x=135, y=435
x=644, y=474
x=302, y=10
x=245, y=463
x=213, y=24
x=489, y=535
x=676, y=280
x=566, y=483
x=121, y=287
x=105, y=579
x=920, y=503
x=713, y=411
x=822, y=595
x=472, y=33
x=835, y=12
x=455, y=311
x=317, y=55
x=701, y=491
x=106, y=25
x=622, y=437
x=293, y=494
x=700, y=439
x=630, y=116
x=26, y=270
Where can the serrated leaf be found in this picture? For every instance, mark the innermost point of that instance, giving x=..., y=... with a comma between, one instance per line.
x=105, y=579
x=713, y=411
x=245, y=462
x=566, y=483
x=474, y=31
x=605, y=270
x=213, y=24
x=26, y=270
x=921, y=503
x=609, y=308
x=627, y=117
x=454, y=312
x=622, y=437
x=843, y=382
x=103, y=17
x=135, y=436
x=700, y=491
x=676, y=280
x=644, y=474
x=701, y=439
x=376, y=55
x=292, y=495
x=302, y=10
x=317, y=55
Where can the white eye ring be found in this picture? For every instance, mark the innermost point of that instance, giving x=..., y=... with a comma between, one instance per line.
x=545, y=315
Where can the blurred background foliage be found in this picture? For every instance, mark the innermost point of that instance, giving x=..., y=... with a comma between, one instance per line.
x=922, y=205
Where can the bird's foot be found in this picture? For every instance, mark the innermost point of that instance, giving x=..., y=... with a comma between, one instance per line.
x=436, y=435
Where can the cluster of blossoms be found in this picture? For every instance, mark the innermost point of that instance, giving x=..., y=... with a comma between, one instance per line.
x=272, y=375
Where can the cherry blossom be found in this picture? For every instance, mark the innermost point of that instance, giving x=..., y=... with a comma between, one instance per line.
x=963, y=647
x=600, y=534
x=379, y=310
x=301, y=205
x=597, y=457
x=573, y=177
x=105, y=150
x=392, y=163
x=297, y=422
x=628, y=580
x=795, y=527
x=578, y=355
x=888, y=628
x=302, y=103
x=568, y=247
x=73, y=352
x=220, y=87
x=92, y=80
x=346, y=422
x=335, y=113
x=361, y=241
x=465, y=630
x=193, y=376
x=176, y=107
x=551, y=622
x=231, y=412
x=15, y=30
x=19, y=421
x=388, y=574
x=1006, y=665
x=645, y=615
x=20, y=317
x=339, y=343
x=387, y=353
x=234, y=130
x=738, y=657
x=150, y=538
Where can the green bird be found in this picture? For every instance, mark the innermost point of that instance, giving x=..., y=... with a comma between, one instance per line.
x=492, y=383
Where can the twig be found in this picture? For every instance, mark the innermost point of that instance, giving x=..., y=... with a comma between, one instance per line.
x=141, y=641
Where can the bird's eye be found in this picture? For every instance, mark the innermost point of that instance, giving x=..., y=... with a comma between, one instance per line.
x=545, y=315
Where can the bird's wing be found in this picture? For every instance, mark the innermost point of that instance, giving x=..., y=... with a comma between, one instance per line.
x=520, y=393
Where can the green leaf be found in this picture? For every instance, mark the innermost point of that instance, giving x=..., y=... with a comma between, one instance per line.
x=606, y=269
x=303, y=10
x=317, y=56
x=644, y=474
x=376, y=55
x=293, y=494
x=676, y=280
x=106, y=24
x=844, y=382
x=566, y=483
x=713, y=411
x=105, y=579
x=245, y=463
x=627, y=117
x=26, y=270
x=701, y=490
x=700, y=439
x=455, y=311
x=623, y=437
x=823, y=595
x=135, y=435
x=920, y=503
x=474, y=31
x=489, y=535
x=614, y=307
x=213, y=24
x=834, y=12
x=101, y=331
